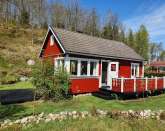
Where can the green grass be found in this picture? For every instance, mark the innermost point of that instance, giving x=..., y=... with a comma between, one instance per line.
x=94, y=124
x=80, y=103
x=18, y=85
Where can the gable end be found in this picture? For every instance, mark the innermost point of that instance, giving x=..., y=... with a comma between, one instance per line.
x=47, y=41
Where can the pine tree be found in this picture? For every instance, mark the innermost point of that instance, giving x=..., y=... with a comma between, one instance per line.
x=130, y=39
x=122, y=37
x=142, y=42
x=107, y=32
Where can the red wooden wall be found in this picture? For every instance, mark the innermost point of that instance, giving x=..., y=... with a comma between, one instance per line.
x=51, y=51
x=125, y=68
x=84, y=85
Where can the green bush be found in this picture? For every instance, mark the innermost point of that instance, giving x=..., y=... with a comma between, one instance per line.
x=50, y=84
x=148, y=74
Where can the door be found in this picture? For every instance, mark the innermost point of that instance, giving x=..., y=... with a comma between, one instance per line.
x=104, y=73
x=113, y=71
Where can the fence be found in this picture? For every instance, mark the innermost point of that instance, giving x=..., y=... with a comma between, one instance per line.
x=139, y=85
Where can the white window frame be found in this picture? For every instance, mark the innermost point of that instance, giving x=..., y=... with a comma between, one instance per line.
x=78, y=64
x=88, y=66
x=133, y=65
x=97, y=68
x=55, y=61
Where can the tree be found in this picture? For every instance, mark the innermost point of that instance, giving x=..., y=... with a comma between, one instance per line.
x=122, y=36
x=113, y=28
x=162, y=56
x=50, y=83
x=24, y=18
x=142, y=42
x=92, y=23
x=58, y=15
x=130, y=39
x=156, y=51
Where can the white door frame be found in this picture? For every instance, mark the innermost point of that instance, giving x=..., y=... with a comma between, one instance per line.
x=110, y=72
x=108, y=67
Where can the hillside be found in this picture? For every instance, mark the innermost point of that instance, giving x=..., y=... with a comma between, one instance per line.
x=16, y=48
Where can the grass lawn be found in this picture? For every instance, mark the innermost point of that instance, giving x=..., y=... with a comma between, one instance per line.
x=94, y=124
x=80, y=103
x=18, y=85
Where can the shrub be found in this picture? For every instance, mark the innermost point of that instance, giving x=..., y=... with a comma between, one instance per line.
x=152, y=74
x=50, y=83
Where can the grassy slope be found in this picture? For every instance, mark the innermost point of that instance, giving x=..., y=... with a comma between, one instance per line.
x=80, y=103
x=18, y=85
x=16, y=48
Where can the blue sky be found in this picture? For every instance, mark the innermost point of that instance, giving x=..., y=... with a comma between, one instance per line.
x=133, y=13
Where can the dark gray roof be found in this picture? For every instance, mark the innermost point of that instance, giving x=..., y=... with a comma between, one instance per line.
x=79, y=43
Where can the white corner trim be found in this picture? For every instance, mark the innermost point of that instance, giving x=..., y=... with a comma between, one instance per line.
x=60, y=44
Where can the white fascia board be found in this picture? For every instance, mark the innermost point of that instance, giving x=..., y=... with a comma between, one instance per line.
x=57, y=39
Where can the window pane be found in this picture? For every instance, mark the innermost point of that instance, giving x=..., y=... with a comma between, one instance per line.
x=73, y=67
x=83, y=67
x=113, y=67
x=60, y=63
x=136, y=71
x=93, y=68
x=132, y=70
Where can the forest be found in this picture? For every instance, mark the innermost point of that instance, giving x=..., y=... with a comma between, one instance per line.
x=69, y=15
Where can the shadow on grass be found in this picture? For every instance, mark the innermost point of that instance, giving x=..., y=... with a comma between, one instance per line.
x=107, y=95
x=10, y=111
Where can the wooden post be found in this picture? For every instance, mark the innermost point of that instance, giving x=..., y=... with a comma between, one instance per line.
x=122, y=84
x=79, y=68
x=88, y=68
x=67, y=63
x=134, y=84
x=156, y=81
x=146, y=83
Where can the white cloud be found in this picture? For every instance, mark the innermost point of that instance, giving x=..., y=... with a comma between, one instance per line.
x=154, y=21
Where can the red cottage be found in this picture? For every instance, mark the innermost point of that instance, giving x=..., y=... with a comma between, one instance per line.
x=92, y=62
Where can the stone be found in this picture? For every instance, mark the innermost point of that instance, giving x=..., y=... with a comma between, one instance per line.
x=74, y=112
x=47, y=120
x=23, y=78
x=30, y=62
x=41, y=114
x=7, y=121
x=24, y=120
x=17, y=121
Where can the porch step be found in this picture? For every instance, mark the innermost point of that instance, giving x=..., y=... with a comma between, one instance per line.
x=103, y=93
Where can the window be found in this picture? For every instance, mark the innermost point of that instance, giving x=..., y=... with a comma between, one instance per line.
x=113, y=67
x=51, y=40
x=73, y=67
x=93, y=68
x=84, y=67
x=60, y=63
x=135, y=70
